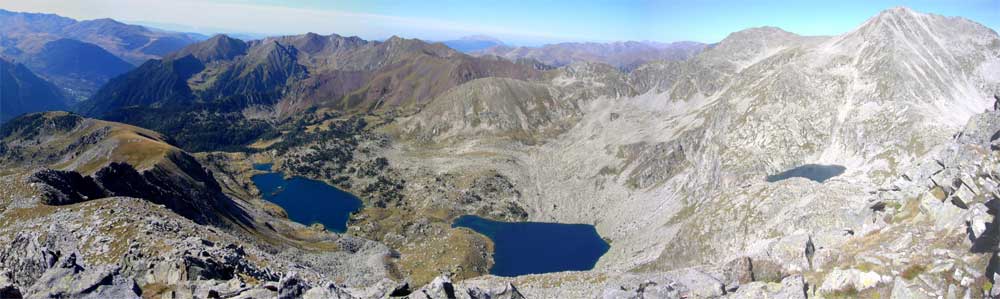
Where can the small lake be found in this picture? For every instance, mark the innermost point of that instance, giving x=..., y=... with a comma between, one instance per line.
x=816, y=172
x=534, y=247
x=307, y=201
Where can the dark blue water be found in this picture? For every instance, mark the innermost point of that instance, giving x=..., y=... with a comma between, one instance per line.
x=816, y=172
x=307, y=201
x=535, y=247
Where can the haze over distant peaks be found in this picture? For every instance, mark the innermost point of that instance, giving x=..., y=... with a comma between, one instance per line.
x=471, y=43
x=620, y=54
x=80, y=56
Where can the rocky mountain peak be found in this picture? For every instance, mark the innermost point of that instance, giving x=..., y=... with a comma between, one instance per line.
x=324, y=45
x=898, y=11
x=902, y=23
x=219, y=47
x=398, y=46
x=748, y=46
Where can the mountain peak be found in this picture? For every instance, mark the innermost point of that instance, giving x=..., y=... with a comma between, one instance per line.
x=902, y=23
x=898, y=10
x=755, y=35
x=892, y=15
x=218, y=47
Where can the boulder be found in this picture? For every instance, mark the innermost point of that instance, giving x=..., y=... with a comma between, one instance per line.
x=440, y=287
x=327, y=291
x=682, y=283
x=291, y=286
x=508, y=292
x=840, y=280
x=738, y=272
x=699, y=284
x=792, y=287
x=745, y=270
x=660, y=288
x=902, y=289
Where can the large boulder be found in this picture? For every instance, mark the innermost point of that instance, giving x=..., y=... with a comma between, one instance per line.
x=327, y=291
x=792, y=287
x=67, y=279
x=838, y=281
x=440, y=288
x=291, y=286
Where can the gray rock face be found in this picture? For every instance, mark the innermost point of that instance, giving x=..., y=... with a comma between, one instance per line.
x=26, y=259
x=67, y=279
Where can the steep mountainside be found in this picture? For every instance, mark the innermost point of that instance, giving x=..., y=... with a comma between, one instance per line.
x=21, y=91
x=620, y=54
x=77, y=67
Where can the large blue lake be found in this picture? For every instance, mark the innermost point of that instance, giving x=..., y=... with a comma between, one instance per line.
x=307, y=201
x=534, y=247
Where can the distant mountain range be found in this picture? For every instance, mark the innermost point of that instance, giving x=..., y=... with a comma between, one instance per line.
x=80, y=56
x=620, y=54
x=473, y=43
x=21, y=91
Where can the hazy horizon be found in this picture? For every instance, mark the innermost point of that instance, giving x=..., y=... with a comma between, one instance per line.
x=528, y=24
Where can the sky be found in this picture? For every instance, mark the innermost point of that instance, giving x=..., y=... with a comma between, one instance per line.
x=518, y=22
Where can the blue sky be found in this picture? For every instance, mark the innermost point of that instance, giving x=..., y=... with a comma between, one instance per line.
x=516, y=21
